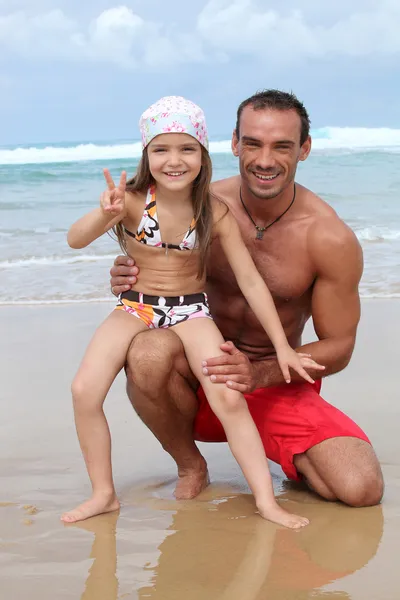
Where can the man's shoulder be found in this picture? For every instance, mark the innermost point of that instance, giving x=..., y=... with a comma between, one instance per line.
x=314, y=206
x=226, y=189
x=324, y=220
x=330, y=239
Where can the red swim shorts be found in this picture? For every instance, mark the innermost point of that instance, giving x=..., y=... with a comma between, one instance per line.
x=291, y=419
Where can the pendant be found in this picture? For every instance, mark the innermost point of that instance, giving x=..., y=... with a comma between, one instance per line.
x=260, y=234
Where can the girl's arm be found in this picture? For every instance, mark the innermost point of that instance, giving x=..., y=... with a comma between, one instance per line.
x=90, y=227
x=100, y=220
x=255, y=290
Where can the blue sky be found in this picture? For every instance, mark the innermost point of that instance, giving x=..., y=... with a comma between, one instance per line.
x=86, y=69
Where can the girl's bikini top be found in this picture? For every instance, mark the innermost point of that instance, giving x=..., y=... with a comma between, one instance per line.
x=149, y=228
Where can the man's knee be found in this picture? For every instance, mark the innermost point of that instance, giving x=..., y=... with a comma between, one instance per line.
x=363, y=483
x=364, y=488
x=152, y=357
x=349, y=468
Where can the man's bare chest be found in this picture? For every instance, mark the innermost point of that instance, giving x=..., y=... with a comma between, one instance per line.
x=285, y=268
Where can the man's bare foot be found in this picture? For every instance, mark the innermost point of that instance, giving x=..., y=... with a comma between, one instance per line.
x=96, y=505
x=191, y=482
x=278, y=515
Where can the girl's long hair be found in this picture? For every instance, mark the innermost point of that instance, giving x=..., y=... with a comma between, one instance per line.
x=201, y=202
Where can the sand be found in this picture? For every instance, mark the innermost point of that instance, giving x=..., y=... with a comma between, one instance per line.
x=214, y=547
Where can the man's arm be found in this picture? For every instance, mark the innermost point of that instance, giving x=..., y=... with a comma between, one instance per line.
x=337, y=257
x=335, y=308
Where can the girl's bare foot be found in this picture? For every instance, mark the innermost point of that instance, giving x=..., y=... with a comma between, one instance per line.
x=98, y=504
x=278, y=515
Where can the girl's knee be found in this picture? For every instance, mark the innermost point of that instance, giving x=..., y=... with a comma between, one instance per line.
x=78, y=389
x=228, y=401
x=82, y=392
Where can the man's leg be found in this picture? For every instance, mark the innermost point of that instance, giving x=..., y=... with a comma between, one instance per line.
x=343, y=468
x=308, y=437
x=161, y=388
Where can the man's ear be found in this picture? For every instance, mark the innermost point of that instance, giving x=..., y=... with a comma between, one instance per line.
x=305, y=149
x=235, y=143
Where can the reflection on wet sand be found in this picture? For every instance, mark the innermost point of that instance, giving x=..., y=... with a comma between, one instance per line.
x=220, y=549
x=102, y=582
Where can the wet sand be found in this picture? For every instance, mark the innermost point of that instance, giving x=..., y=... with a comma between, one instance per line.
x=214, y=547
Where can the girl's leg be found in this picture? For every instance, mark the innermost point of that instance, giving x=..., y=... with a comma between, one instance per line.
x=202, y=340
x=104, y=358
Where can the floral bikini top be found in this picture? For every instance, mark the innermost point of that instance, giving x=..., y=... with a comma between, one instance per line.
x=149, y=228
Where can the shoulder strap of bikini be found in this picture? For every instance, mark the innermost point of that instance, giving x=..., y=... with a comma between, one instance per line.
x=151, y=196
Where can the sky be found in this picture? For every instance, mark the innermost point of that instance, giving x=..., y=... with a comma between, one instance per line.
x=74, y=70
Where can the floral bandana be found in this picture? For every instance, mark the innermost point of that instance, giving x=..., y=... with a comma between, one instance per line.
x=173, y=114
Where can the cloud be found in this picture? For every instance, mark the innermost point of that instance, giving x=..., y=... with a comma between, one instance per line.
x=113, y=37
x=117, y=35
x=222, y=31
x=241, y=27
x=237, y=27
x=36, y=36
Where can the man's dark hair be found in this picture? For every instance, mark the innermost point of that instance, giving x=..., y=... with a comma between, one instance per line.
x=277, y=100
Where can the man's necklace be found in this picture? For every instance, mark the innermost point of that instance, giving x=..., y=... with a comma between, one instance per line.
x=260, y=230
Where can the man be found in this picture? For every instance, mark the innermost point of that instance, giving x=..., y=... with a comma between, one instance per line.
x=312, y=263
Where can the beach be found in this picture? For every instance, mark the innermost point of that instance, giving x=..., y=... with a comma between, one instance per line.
x=214, y=547
x=300, y=109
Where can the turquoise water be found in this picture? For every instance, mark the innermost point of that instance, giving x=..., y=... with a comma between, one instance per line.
x=44, y=189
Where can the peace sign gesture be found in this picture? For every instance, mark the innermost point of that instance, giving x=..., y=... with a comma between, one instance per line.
x=112, y=201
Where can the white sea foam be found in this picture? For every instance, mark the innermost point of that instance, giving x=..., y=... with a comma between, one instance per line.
x=378, y=234
x=381, y=295
x=84, y=152
x=356, y=138
x=325, y=138
x=46, y=261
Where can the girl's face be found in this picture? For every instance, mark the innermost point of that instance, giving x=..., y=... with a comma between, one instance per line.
x=175, y=160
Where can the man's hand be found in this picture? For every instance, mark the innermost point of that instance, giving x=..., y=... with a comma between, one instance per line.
x=123, y=274
x=232, y=368
x=235, y=370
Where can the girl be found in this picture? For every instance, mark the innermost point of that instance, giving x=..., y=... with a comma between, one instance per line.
x=166, y=219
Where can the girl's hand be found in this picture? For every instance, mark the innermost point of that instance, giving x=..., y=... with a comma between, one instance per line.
x=290, y=359
x=112, y=201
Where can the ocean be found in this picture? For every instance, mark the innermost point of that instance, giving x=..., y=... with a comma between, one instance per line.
x=44, y=188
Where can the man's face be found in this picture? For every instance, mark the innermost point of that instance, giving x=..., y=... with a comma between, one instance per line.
x=269, y=150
